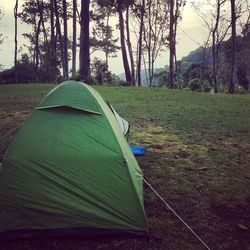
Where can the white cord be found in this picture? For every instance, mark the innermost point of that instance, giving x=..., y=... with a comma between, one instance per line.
x=170, y=208
x=10, y=132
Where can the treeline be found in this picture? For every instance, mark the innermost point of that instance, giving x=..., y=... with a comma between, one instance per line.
x=196, y=70
x=146, y=28
x=55, y=52
x=199, y=74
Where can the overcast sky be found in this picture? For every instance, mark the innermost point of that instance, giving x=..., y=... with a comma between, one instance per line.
x=191, y=33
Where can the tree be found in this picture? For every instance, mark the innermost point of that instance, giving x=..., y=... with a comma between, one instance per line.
x=171, y=43
x=33, y=14
x=65, y=39
x=244, y=54
x=177, y=15
x=74, y=38
x=129, y=45
x=233, y=78
x=216, y=43
x=155, y=32
x=15, y=59
x=59, y=33
x=174, y=16
x=120, y=7
x=102, y=33
x=215, y=19
x=84, y=42
x=100, y=72
x=25, y=69
x=141, y=16
x=52, y=52
x=1, y=35
x=243, y=14
x=41, y=9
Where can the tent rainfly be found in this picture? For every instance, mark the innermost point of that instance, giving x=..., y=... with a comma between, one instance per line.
x=70, y=167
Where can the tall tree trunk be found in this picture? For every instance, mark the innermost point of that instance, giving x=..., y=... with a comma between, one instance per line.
x=74, y=39
x=214, y=46
x=37, y=47
x=175, y=56
x=149, y=44
x=233, y=77
x=177, y=71
x=45, y=40
x=145, y=70
x=140, y=43
x=214, y=66
x=41, y=8
x=52, y=42
x=58, y=29
x=15, y=57
x=130, y=50
x=106, y=38
x=171, y=44
x=149, y=59
x=204, y=58
x=123, y=46
x=84, y=42
x=65, y=39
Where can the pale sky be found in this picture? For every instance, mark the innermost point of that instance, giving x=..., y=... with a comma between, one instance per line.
x=191, y=34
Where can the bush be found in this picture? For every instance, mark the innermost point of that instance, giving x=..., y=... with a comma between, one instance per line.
x=223, y=88
x=100, y=72
x=26, y=73
x=241, y=90
x=206, y=87
x=195, y=84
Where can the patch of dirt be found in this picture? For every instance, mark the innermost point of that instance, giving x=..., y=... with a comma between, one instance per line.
x=182, y=154
x=233, y=220
x=230, y=212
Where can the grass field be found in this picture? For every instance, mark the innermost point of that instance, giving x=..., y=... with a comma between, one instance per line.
x=198, y=159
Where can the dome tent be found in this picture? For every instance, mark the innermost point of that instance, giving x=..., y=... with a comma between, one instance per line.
x=70, y=167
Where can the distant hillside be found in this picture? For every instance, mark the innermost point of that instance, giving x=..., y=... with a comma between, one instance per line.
x=144, y=75
x=196, y=57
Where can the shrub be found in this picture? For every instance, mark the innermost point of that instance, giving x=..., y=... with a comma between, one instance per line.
x=194, y=84
x=206, y=87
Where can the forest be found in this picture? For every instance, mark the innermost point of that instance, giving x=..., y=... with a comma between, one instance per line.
x=146, y=28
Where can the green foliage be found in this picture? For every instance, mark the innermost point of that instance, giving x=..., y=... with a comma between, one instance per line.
x=191, y=65
x=196, y=57
x=26, y=73
x=100, y=72
x=102, y=33
x=194, y=84
x=197, y=71
x=206, y=86
x=160, y=79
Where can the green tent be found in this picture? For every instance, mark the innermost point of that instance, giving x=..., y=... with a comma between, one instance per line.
x=70, y=167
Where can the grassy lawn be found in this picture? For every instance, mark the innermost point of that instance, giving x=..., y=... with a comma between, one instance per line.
x=198, y=159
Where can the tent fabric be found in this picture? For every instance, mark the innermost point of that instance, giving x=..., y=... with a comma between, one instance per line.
x=69, y=166
x=123, y=124
x=64, y=96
